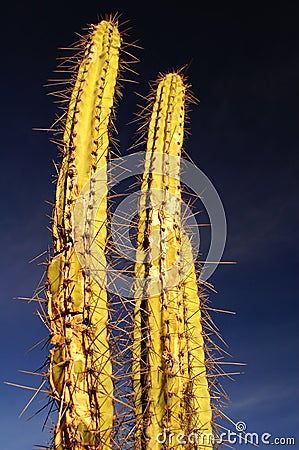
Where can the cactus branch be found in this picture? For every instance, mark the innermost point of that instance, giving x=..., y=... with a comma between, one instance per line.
x=169, y=373
x=80, y=372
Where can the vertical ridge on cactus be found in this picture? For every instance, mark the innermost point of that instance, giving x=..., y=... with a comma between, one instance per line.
x=80, y=374
x=169, y=372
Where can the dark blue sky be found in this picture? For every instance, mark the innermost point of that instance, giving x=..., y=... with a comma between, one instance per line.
x=245, y=70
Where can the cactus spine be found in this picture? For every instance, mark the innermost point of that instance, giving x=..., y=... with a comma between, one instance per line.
x=169, y=373
x=80, y=372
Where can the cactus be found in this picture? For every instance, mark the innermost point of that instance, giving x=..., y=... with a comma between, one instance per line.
x=80, y=373
x=169, y=372
x=167, y=356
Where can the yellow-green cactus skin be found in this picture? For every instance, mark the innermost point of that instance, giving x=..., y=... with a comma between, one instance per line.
x=172, y=397
x=80, y=373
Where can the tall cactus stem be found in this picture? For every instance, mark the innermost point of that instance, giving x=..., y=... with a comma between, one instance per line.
x=80, y=373
x=172, y=395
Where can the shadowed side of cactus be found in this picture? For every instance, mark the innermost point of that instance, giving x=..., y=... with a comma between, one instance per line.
x=169, y=374
x=80, y=373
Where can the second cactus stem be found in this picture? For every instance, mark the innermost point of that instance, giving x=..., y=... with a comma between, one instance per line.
x=172, y=397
